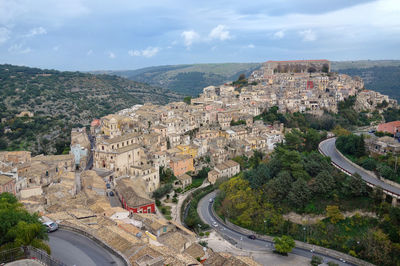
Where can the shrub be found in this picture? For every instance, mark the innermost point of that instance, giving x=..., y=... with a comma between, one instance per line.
x=316, y=260
x=331, y=263
x=161, y=191
x=284, y=244
x=203, y=243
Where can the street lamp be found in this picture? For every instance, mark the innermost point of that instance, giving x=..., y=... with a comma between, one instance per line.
x=304, y=234
x=265, y=222
x=241, y=244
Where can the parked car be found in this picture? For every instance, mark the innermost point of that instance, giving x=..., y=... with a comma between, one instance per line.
x=108, y=185
x=211, y=200
x=51, y=226
x=111, y=194
x=252, y=237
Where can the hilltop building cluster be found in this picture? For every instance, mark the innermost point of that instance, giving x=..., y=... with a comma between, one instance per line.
x=301, y=86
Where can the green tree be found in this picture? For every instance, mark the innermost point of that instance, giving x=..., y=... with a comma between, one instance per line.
x=324, y=184
x=314, y=163
x=258, y=176
x=284, y=244
x=162, y=191
x=18, y=227
x=369, y=163
x=377, y=247
x=312, y=139
x=316, y=260
x=300, y=194
x=294, y=140
x=351, y=145
x=357, y=186
x=278, y=188
x=187, y=100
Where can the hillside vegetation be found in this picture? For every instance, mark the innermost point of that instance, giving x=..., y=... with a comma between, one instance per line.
x=59, y=101
x=188, y=79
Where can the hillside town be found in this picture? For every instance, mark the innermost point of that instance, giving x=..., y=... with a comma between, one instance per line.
x=125, y=153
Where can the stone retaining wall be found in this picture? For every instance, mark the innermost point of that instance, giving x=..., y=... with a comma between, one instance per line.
x=97, y=240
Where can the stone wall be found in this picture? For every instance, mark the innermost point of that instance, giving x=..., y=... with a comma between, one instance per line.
x=97, y=240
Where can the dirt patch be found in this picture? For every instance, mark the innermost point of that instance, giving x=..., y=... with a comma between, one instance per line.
x=313, y=219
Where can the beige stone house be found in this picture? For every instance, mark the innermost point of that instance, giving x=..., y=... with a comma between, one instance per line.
x=184, y=180
x=227, y=169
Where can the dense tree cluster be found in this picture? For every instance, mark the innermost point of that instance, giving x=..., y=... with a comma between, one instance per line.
x=18, y=227
x=385, y=166
x=347, y=117
x=297, y=178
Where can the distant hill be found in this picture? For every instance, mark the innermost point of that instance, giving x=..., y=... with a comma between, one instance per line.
x=187, y=79
x=378, y=75
x=363, y=64
x=61, y=100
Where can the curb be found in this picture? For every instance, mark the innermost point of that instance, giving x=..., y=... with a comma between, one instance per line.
x=97, y=241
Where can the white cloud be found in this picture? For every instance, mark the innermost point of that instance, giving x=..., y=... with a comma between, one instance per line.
x=251, y=46
x=220, y=32
x=189, y=37
x=148, y=52
x=19, y=49
x=278, y=35
x=36, y=31
x=90, y=52
x=111, y=55
x=308, y=35
x=134, y=53
x=4, y=35
x=56, y=48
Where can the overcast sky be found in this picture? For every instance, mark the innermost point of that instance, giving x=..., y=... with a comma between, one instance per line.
x=130, y=34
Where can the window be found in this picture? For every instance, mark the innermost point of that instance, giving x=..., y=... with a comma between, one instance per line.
x=102, y=147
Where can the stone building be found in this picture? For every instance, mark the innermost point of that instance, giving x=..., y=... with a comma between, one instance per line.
x=7, y=184
x=181, y=164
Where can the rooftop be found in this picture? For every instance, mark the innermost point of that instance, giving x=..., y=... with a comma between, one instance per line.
x=5, y=179
x=124, y=187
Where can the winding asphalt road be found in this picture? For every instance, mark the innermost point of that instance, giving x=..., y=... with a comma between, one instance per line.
x=74, y=249
x=241, y=240
x=328, y=148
